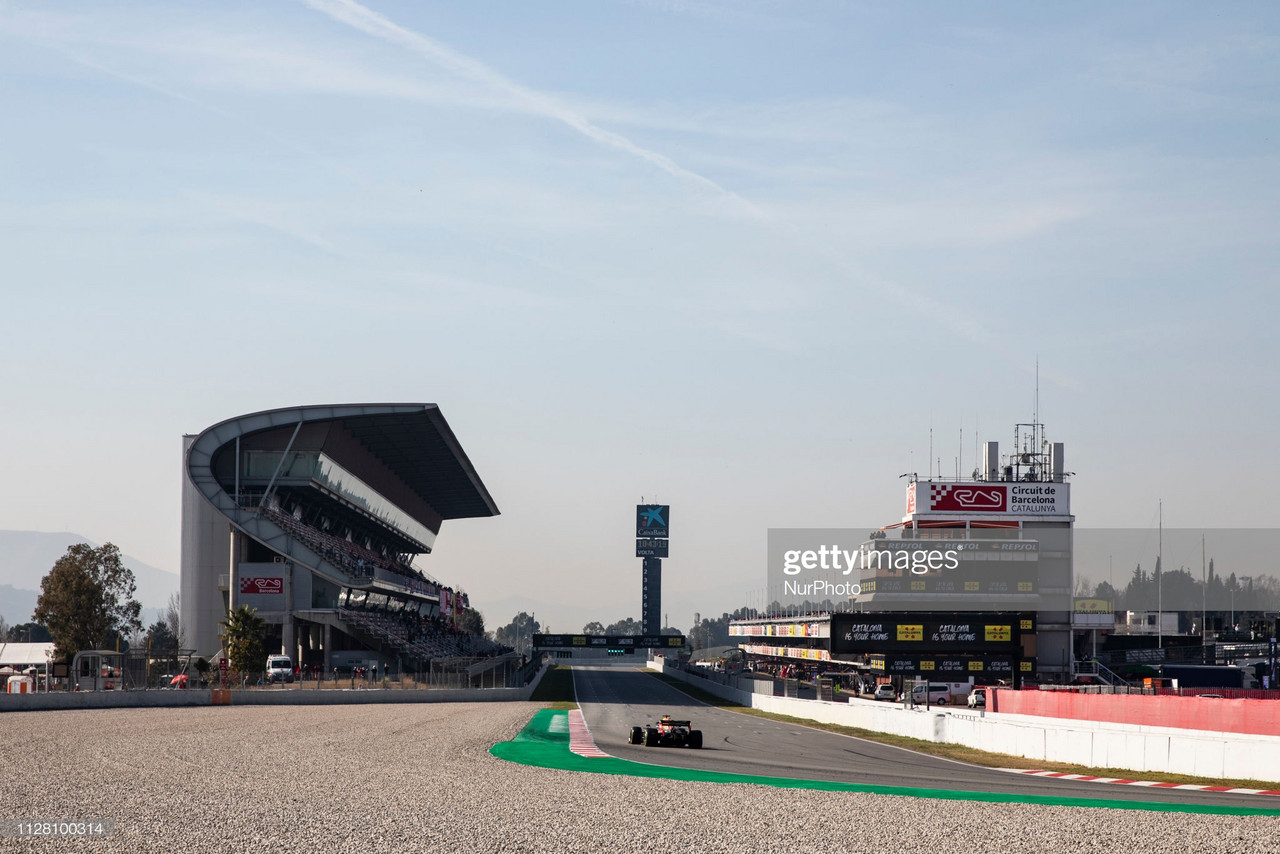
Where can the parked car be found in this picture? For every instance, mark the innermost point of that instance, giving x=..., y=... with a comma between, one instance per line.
x=885, y=691
x=978, y=698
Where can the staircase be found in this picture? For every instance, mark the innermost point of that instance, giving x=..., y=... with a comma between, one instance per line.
x=1095, y=668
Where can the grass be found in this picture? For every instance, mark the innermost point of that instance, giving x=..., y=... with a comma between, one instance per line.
x=555, y=691
x=959, y=752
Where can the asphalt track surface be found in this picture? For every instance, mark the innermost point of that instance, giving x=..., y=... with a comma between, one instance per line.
x=614, y=700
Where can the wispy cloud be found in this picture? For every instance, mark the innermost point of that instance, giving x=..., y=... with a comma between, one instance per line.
x=354, y=15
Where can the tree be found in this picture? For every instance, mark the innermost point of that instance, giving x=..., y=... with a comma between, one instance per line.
x=595, y=627
x=243, y=641
x=173, y=620
x=471, y=621
x=629, y=626
x=87, y=600
x=160, y=640
x=706, y=633
x=519, y=631
x=4, y=628
x=29, y=633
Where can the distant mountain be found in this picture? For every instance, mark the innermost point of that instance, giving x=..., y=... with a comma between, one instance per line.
x=27, y=556
x=16, y=606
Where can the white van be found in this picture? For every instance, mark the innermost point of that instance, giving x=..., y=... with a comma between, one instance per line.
x=279, y=668
x=939, y=694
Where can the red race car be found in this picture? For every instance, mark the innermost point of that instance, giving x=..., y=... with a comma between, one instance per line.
x=667, y=733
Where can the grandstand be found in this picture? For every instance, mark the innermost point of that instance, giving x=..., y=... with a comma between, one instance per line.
x=317, y=517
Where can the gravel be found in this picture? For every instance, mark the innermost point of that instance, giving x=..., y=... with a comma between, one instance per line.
x=420, y=778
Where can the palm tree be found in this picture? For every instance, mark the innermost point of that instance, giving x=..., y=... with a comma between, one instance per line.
x=243, y=641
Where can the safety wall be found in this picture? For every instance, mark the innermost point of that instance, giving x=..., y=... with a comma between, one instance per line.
x=1094, y=744
x=268, y=697
x=1253, y=717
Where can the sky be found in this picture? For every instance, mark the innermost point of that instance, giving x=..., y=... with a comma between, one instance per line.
x=743, y=258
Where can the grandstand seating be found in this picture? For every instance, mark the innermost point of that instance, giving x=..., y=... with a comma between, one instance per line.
x=355, y=559
x=411, y=635
x=422, y=638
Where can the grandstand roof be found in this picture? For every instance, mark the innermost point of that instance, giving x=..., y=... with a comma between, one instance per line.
x=412, y=439
x=419, y=446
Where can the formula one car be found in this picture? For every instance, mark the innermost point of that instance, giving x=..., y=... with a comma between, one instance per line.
x=667, y=733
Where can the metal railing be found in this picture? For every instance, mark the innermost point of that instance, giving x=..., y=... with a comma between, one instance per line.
x=1096, y=668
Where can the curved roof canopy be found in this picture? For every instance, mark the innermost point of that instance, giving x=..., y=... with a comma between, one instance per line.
x=411, y=439
x=406, y=448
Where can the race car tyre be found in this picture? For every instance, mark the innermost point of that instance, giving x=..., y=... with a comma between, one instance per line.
x=637, y=735
x=650, y=737
x=695, y=739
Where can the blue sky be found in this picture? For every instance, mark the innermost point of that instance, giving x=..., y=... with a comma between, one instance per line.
x=738, y=256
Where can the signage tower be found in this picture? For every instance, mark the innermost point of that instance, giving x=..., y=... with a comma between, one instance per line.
x=653, y=527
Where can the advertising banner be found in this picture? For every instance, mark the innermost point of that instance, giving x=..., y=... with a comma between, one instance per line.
x=1030, y=498
x=261, y=586
x=854, y=634
x=653, y=520
x=952, y=668
x=646, y=641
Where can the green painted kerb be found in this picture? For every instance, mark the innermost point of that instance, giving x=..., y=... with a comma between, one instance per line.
x=545, y=746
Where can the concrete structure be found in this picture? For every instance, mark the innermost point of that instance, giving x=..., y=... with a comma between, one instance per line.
x=64, y=700
x=314, y=516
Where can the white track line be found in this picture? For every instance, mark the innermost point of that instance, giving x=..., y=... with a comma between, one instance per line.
x=1192, y=787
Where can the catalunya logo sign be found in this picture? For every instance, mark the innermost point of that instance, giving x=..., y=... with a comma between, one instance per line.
x=262, y=585
x=967, y=498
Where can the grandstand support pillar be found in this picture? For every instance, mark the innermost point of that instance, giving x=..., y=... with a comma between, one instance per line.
x=233, y=570
x=328, y=648
x=288, y=633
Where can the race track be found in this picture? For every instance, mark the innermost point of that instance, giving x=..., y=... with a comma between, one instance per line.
x=614, y=699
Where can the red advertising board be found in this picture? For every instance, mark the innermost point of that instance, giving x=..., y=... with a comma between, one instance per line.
x=1022, y=498
x=968, y=497
x=262, y=585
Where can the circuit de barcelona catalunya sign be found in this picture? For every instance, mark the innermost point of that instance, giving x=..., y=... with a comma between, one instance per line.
x=1038, y=498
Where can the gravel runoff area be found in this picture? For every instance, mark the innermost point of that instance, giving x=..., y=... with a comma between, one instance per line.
x=401, y=778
